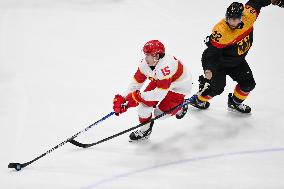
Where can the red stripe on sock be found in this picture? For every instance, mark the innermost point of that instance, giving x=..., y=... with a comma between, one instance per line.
x=239, y=91
x=143, y=120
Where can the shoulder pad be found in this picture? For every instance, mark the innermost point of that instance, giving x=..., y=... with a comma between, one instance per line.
x=221, y=36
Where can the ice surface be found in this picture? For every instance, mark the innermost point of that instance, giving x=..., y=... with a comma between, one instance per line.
x=61, y=63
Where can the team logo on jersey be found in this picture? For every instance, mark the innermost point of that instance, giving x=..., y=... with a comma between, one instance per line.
x=244, y=45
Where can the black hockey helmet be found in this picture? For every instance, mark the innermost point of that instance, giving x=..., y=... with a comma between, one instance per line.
x=235, y=10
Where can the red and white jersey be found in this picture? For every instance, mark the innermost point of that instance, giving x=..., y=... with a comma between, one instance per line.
x=169, y=74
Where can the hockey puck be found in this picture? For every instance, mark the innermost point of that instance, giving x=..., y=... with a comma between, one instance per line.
x=18, y=167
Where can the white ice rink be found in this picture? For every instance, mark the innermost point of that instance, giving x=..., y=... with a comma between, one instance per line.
x=62, y=62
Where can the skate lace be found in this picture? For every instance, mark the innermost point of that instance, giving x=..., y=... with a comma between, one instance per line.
x=202, y=104
x=139, y=133
x=242, y=106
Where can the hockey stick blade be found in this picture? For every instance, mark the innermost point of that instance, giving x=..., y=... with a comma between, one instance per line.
x=16, y=166
x=76, y=143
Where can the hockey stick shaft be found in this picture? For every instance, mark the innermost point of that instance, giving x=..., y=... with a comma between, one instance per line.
x=18, y=166
x=76, y=143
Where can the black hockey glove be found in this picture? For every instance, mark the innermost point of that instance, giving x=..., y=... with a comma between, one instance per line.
x=279, y=3
x=204, y=85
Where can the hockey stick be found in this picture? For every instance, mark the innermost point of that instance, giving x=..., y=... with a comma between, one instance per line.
x=19, y=166
x=76, y=143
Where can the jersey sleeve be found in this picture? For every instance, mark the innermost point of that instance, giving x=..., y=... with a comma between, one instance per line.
x=139, y=76
x=215, y=44
x=258, y=4
x=210, y=57
x=137, y=82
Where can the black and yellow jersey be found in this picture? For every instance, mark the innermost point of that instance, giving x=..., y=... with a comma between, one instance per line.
x=228, y=47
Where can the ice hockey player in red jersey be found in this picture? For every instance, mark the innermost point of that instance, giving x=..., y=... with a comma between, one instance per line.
x=169, y=83
x=228, y=45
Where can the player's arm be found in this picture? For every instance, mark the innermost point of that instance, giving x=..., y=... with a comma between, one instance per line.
x=149, y=98
x=212, y=55
x=279, y=3
x=259, y=4
x=137, y=82
x=159, y=93
x=127, y=100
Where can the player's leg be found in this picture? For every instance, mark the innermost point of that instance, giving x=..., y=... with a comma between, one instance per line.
x=245, y=84
x=144, y=114
x=172, y=100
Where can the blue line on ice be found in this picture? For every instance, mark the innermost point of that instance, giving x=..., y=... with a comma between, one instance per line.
x=178, y=162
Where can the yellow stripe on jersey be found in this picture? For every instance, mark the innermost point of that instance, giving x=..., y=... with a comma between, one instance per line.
x=222, y=34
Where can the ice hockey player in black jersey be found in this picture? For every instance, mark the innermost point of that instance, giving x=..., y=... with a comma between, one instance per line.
x=227, y=47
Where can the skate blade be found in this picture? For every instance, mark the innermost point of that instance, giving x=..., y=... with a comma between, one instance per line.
x=180, y=116
x=198, y=107
x=139, y=140
x=237, y=112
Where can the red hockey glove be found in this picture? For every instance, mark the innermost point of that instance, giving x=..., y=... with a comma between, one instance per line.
x=134, y=98
x=119, y=106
